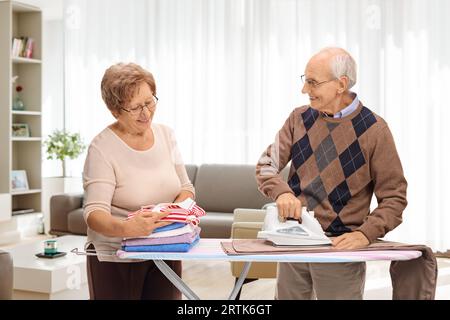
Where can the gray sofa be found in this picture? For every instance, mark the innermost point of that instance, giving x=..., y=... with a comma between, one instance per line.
x=6, y=276
x=219, y=190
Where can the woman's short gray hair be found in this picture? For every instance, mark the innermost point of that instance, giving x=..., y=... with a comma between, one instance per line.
x=342, y=64
x=119, y=84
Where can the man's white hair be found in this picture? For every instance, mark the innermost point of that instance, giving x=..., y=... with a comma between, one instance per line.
x=341, y=64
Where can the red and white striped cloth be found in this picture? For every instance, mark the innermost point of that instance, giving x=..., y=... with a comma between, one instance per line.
x=186, y=211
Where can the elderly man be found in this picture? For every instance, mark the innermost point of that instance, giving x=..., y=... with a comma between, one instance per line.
x=341, y=153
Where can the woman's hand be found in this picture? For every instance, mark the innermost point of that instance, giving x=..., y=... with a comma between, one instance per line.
x=183, y=196
x=143, y=223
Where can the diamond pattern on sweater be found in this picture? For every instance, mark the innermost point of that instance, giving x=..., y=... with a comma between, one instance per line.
x=343, y=136
x=337, y=227
x=333, y=175
x=339, y=197
x=332, y=125
x=301, y=151
x=363, y=121
x=352, y=159
x=309, y=117
x=327, y=161
x=325, y=153
x=294, y=184
x=315, y=193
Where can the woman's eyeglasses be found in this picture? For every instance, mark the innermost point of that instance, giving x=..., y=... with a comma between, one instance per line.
x=150, y=105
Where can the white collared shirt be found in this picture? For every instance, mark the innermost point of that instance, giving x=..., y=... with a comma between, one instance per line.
x=348, y=109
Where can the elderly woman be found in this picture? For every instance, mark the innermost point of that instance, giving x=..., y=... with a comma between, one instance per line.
x=131, y=163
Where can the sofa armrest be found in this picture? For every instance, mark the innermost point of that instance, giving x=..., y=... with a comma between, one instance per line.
x=245, y=230
x=249, y=215
x=6, y=276
x=60, y=206
x=246, y=225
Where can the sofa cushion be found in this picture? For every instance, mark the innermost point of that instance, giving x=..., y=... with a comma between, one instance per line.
x=223, y=188
x=6, y=276
x=76, y=223
x=216, y=225
x=60, y=206
x=191, y=170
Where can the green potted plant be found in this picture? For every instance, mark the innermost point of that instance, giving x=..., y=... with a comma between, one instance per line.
x=62, y=145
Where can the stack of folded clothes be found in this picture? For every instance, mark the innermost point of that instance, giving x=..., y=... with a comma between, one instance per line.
x=179, y=236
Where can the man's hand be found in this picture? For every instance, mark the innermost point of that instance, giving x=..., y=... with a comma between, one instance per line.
x=350, y=241
x=289, y=206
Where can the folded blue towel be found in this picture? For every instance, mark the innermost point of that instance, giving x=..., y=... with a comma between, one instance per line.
x=171, y=226
x=172, y=247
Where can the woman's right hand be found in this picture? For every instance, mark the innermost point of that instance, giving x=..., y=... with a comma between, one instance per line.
x=143, y=222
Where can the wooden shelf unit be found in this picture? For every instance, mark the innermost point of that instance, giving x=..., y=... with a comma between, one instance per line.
x=20, y=153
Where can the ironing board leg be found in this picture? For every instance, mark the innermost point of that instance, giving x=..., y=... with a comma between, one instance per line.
x=181, y=285
x=240, y=281
x=176, y=280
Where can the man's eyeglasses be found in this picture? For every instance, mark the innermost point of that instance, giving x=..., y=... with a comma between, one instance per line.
x=150, y=105
x=314, y=83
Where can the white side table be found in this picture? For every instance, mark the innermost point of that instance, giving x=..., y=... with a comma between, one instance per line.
x=62, y=278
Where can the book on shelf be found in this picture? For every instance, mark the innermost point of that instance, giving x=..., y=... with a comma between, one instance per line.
x=18, y=211
x=291, y=232
x=22, y=47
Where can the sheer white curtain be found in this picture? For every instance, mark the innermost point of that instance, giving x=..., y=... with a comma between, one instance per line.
x=228, y=72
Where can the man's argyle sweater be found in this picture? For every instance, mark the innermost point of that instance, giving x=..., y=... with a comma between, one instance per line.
x=336, y=166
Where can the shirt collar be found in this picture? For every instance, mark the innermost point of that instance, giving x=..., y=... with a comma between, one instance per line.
x=348, y=109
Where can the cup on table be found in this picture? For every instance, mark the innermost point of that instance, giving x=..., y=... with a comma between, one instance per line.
x=50, y=247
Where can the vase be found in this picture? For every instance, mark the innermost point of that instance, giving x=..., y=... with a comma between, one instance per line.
x=18, y=104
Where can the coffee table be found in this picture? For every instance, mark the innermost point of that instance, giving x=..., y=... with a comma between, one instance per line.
x=62, y=278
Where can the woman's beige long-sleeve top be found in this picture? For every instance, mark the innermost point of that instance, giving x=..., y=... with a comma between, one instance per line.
x=118, y=179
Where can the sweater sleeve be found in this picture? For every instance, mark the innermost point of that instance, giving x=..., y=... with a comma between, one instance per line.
x=273, y=160
x=186, y=184
x=99, y=182
x=389, y=187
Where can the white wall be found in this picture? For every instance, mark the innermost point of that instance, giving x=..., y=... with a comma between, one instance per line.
x=53, y=88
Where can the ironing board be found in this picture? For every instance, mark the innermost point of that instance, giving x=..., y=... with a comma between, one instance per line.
x=210, y=249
